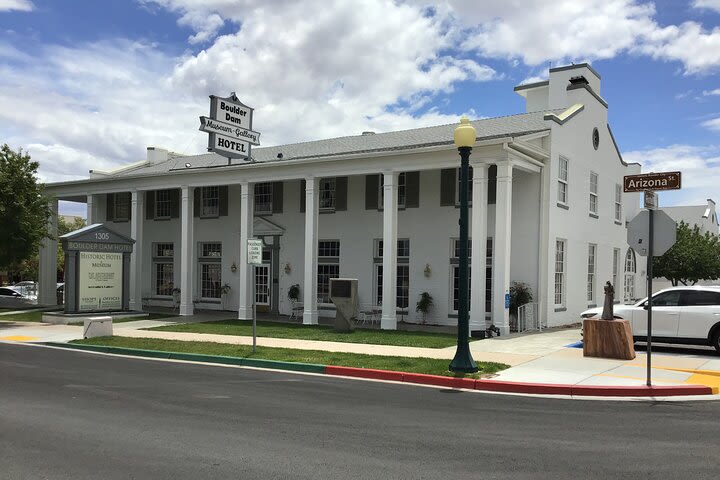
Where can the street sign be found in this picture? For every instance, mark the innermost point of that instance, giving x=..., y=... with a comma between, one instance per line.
x=254, y=249
x=652, y=181
x=651, y=200
x=664, y=232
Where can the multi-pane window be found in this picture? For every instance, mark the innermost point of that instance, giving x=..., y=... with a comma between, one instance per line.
x=560, y=258
x=327, y=193
x=618, y=202
x=162, y=204
x=209, y=258
x=402, y=190
x=403, y=273
x=122, y=207
x=470, y=186
x=263, y=198
x=593, y=193
x=210, y=201
x=629, y=290
x=455, y=271
x=616, y=266
x=592, y=261
x=328, y=267
x=163, y=254
x=563, y=181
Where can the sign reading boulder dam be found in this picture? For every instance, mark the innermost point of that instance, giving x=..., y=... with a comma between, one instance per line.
x=229, y=127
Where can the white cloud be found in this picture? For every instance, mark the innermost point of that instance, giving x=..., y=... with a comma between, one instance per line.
x=689, y=43
x=700, y=167
x=20, y=5
x=711, y=92
x=709, y=4
x=712, y=124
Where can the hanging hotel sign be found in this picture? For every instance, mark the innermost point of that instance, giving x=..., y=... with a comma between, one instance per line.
x=652, y=181
x=229, y=127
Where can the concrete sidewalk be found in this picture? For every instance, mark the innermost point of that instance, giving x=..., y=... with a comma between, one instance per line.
x=539, y=357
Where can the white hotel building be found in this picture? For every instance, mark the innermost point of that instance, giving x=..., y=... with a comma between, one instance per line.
x=547, y=210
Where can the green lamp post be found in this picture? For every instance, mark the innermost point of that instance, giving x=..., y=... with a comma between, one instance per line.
x=465, y=137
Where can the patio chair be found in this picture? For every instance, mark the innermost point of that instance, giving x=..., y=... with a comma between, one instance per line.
x=296, y=309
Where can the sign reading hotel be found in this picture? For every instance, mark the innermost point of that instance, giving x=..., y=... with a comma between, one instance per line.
x=97, y=269
x=229, y=127
x=652, y=181
x=100, y=281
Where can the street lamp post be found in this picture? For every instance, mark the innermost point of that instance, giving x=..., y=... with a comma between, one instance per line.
x=465, y=136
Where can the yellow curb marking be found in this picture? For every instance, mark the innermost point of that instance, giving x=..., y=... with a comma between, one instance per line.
x=715, y=373
x=19, y=338
x=711, y=381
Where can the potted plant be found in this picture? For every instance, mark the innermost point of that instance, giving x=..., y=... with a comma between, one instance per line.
x=294, y=293
x=224, y=291
x=520, y=294
x=424, y=304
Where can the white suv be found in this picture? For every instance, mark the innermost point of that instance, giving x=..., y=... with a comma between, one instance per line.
x=688, y=315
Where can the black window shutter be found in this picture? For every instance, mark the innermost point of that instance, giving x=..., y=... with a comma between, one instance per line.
x=110, y=207
x=277, y=201
x=196, y=201
x=302, y=195
x=412, y=189
x=372, y=183
x=223, y=200
x=492, y=184
x=129, y=202
x=175, y=203
x=448, y=181
x=149, y=205
x=341, y=184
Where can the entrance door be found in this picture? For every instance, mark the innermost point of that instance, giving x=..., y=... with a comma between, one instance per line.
x=262, y=286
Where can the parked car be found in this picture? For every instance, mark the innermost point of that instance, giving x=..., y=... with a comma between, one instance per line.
x=27, y=287
x=685, y=315
x=11, y=298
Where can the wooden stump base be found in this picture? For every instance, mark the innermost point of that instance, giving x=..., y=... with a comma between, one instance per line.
x=608, y=339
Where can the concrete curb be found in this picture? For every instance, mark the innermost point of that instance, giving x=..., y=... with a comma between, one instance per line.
x=418, y=378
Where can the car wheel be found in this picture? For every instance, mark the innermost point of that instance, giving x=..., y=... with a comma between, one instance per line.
x=716, y=340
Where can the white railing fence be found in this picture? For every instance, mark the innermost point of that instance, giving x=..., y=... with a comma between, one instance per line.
x=528, y=318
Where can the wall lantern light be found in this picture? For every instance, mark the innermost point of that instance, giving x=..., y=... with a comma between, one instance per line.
x=288, y=269
x=427, y=270
x=233, y=267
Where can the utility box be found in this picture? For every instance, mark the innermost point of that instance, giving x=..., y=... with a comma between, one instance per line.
x=344, y=294
x=97, y=327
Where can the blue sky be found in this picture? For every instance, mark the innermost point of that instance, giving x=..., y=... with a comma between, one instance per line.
x=88, y=84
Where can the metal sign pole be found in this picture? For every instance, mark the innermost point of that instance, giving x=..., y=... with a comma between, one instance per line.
x=254, y=282
x=649, y=287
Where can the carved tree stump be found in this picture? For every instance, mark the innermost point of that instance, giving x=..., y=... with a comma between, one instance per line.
x=608, y=339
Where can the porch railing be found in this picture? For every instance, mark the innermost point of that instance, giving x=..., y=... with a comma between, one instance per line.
x=528, y=318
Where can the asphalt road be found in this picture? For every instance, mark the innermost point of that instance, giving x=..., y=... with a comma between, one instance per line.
x=75, y=415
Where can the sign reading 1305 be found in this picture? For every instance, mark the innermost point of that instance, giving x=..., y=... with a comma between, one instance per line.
x=102, y=236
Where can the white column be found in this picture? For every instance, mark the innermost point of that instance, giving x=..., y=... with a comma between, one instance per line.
x=47, y=268
x=247, y=196
x=501, y=246
x=312, y=207
x=478, y=235
x=187, y=248
x=90, y=219
x=136, y=258
x=388, y=321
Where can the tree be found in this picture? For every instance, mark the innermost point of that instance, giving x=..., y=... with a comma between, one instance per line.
x=24, y=209
x=695, y=256
x=63, y=228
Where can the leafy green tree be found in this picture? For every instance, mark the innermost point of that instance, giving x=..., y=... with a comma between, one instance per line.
x=24, y=209
x=695, y=256
x=63, y=228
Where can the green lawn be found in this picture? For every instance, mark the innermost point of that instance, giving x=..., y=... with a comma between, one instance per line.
x=22, y=317
x=404, y=364
x=317, y=332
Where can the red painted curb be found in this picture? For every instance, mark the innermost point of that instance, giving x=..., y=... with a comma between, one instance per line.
x=364, y=373
x=451, y=382
x=519, y=387
x=642, y=391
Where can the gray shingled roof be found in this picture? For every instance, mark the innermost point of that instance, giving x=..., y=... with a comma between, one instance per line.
x=488, y=128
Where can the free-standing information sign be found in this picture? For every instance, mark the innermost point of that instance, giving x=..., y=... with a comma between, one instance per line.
x=97, y=270
x=229, y=127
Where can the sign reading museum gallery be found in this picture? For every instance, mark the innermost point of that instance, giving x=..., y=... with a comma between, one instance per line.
x=229, y=127
x=100, y=281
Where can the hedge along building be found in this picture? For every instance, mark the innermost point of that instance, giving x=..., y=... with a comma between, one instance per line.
x=547, y=209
